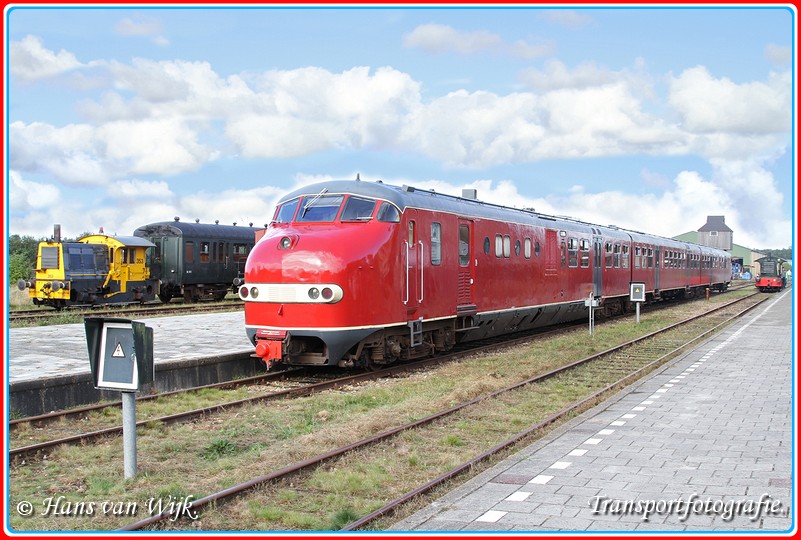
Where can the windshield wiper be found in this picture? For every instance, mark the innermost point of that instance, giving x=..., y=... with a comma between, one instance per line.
x=314, y=200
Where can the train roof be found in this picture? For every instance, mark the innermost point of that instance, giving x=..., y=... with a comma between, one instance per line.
x=126, y=241
x=197, y=230
x=409, y=197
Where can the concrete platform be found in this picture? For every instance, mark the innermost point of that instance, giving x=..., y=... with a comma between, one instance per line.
x=705, y=444
x=48, y=366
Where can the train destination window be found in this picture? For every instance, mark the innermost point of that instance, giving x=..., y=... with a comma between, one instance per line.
x=319, y=208
x=358, y=209
x=436, y=244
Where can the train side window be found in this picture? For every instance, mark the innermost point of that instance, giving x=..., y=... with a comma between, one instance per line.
x=572, y=253
x=585, y=253
x=527, y=248
x=636, y=256
x=486, y=245
x=411, y=233
x=537, y=248
x=650, y=257
x=498, y=246
x=617, y=255
x=240, y=252
x=464, y=245
x=625, y=259
x=436, y=244
x=608, y=258
x=564, y=253
x=507, y=246
x=358, y=209
x=387, y=213
x=204, y=252
x=517, y=247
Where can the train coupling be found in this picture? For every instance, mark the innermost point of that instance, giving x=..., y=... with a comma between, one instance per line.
x=270, y=346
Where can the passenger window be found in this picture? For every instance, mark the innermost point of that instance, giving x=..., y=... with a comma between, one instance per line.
x=498, y=245
x=486, y=245
x=358, y=209
x=609, y=258
x=585, y=253
x=517, y=247
x=204, y=252
x=625, y=261
x=617, y=256
x=387, y=213
x=507, y=246
x=527, y=248
x=572, y=253
x=436, y=244
x=411, y=233
x=537, y=248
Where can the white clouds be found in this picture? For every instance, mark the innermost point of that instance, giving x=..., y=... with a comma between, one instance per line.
x=440, y=38
x=707, y=104
x=142, y=28
x=30, y=60
x=778, y=55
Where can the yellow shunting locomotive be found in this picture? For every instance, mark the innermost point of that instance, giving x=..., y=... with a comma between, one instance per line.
x=97, y=269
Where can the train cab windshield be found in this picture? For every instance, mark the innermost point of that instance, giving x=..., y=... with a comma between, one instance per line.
x=327, y=208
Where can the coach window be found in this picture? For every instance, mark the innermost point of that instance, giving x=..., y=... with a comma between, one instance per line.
x=240, y=252
x=585, y=253
x=486, y=245
x=498, y=246
x=563, y=249
x=537, y=248
x=204, y=252
x=625, y=261
x=527, y=248
x=617, y=255
x=387, y=213
x=411, y=233
x=572, y=253
x=507, y=246
x=436, y=244
x=608, y=258
x=464, y=245
x=650, y=257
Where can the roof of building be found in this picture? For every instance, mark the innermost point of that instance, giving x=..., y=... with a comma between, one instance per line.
x=715, y=223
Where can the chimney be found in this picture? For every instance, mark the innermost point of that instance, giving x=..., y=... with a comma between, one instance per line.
x=56, y=233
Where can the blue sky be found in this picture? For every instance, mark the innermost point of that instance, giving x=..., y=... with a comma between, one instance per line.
x=650, y=118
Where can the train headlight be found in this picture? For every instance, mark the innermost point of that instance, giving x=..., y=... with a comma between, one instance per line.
x=243, y=293
x=285, y=243
x=314, y=293
x=254, y=292
x=328, y=294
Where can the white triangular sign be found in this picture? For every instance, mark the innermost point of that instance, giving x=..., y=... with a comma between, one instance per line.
x=118, y=352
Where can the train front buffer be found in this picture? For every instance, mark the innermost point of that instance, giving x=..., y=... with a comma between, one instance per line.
x=270, y=346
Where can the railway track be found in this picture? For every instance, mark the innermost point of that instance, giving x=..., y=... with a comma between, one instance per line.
x=44, y=316
x=40, y=434
x=597, y=375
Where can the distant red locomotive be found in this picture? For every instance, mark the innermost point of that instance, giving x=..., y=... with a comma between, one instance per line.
x=355, y=273
x=770, y=276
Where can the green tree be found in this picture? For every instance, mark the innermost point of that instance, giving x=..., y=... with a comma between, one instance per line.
x=19, y=267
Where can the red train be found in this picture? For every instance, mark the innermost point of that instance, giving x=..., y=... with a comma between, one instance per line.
x=355, y=273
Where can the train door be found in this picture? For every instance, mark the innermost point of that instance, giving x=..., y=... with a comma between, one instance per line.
x=464, y=300
x=597, y=266
x=657, y=264
x=412, y=247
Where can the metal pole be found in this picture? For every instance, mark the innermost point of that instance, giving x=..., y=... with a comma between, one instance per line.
x=129, y=433
x=638, y=312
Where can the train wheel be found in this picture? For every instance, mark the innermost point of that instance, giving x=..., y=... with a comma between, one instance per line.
x=165, y=297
